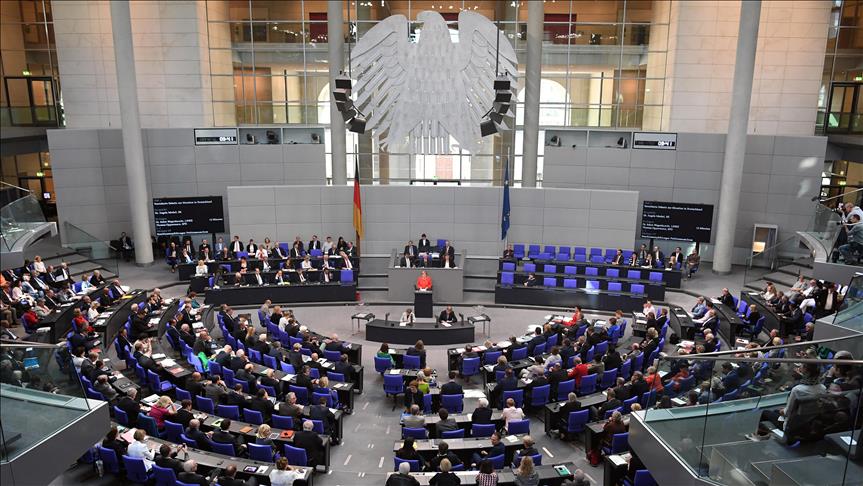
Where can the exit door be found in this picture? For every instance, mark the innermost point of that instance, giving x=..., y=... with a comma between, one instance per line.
x=32, y=100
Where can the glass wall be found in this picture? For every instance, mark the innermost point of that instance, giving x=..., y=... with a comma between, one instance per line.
x=30, y=95
x=840, y=101
x=603, y=66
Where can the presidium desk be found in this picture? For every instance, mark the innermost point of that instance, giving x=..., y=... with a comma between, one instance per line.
x=281, y=294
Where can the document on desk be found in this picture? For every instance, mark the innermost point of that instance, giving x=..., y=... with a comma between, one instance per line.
x=394, y=372
x=446, y=324
x=157, y=356
x=715, y=301
x=848, y=440
x=288, y=377
x=168, y=362
x=403, y=324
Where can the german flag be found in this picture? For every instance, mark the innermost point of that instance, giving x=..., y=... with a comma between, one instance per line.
x=358, y=205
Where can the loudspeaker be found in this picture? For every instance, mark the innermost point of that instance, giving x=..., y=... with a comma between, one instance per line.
x=357, y=124
x=348, y=114
x=341, y=94
x=502, y=84
x=343, y=82
x=345, y=105
x=496, y=117
x=502, y=96
x=487, y=127
x=501, y=108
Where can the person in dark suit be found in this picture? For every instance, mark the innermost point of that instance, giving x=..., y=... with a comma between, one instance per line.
x=618, y=259
x=261, y=402
x=554, y=376
x=413, y=396
x=424, y=245
x=726, y=298
x=658, y=257
x=295, y=357
x=190, y=474
x=447, y=315
x=229, y=478
x=531, y=280
x=193, y=431
x=130, y=405
x=794, y=317
x=311, y=442
x=536, y=340
x=290, y=408
x=408, y=452
x=482, y=413
x=344, y=367
x=418, y=349
x=612, y=402
x=112, y=441
x=314, y=243
x=237, y=361
x=447, y=251
x=410, y=252
x=451, y=387
x=186, y=335
x=216, y=390
x=252, y=247
x=184, y=414
x=320, y=411
x=223, y=435
x=497, y=448
x=168, y=458
x=304, y=379
x=236, y=397
x=443, y=452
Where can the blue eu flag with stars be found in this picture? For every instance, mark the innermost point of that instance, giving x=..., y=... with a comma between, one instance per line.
x=504, y=217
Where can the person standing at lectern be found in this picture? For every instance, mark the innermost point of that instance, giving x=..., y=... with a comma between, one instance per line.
x=447, y=315
x=424, y=282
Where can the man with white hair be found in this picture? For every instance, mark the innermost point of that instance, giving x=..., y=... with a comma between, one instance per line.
x=482, y=413
x=414, y=420
x=403, y=477
x=190, y=474
x=310, y=441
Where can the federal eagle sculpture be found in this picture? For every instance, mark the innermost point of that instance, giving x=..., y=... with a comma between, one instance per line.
x=415, y=95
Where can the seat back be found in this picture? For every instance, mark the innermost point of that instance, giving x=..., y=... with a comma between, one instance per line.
x=164, y=476
x=490, y=357
x=570, y=283
x=619, y=442
x=579, y=258
x=301, y=392
x=549, y=282
x=482, y=430
x=564, y=388
x=120, y=416
x=508, y=266
x=549, y=268
x=519, y=353
x=282, y=422
x=205, y=404
x=612, y=272
x=518, y=250
x=173, y=431
x=394, y=384
x=518, y=427
x=136, y=471
x=533, y=251
x=517, y=395
x=346, y=276
x=529, y=267
x=296, y=455
x=253, y=416
x=109, y=459
x=539, y=395
x=633, y=274
x=587, y=385
x=655, y=276
x=333, y=376
x=636, y=289
x=453, y=403
x=228, y=411
x=498, y=462
x=259, y=452
x=576, y=421
x=608, y=379
x=626, y=369
x=415, y=464
x=507, y=278
x=591, y=271
x=382, y=364
x=222, y=448
x=452, y=434
x=592, y=285
x=148, y=424
x=416, y=433
x=411, y=362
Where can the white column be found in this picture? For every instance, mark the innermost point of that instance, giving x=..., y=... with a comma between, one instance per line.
x=735, y=142
x=133, y=148
x=336, y=49
x=532, y=78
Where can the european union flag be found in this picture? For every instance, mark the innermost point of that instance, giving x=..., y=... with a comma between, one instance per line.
x=504, y=218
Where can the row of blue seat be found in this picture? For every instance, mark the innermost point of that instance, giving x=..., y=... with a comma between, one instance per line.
x=632, y=274
x=508, y=279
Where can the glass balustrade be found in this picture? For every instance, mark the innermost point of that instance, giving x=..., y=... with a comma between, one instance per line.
x=91, y=247
x=736, y=418
x=37, y=396
x=19, y=219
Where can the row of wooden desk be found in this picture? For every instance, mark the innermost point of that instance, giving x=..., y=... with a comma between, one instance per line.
x=281, y=294
x=560, y=297
x=59, y=320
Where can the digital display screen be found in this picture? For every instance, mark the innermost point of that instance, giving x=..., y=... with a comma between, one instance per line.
x=188, y=215
x=677, y=221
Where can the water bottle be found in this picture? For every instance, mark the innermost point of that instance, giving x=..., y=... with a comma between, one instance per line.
x=100, y=467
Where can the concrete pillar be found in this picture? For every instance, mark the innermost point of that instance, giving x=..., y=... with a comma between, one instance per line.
x=133, y=147
x=735, y=142
x=532, y=78
x=336, y=49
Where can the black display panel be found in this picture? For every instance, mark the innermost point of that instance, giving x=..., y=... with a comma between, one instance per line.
x=676, y=221
x=188, y=215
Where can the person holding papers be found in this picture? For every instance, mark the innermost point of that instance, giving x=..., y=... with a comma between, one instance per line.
x=407, y=316
x=424, y=282
x=447, y=315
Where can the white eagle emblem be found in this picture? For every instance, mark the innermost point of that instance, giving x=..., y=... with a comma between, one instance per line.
x=415, y=95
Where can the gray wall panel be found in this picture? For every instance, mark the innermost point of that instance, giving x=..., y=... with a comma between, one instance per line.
x=468, y=216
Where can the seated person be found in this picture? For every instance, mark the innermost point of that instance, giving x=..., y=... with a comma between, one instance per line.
x=447, y=315
x=443, y=452
x=531, y=280
x=445, y=424
x=509, y=253
x=407, y=316
x=527, y=451
x=408, y=452
x=497, y=448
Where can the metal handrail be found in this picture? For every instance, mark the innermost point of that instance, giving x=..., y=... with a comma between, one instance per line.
x=28, y=191
x=781, y=346
x=840, y=195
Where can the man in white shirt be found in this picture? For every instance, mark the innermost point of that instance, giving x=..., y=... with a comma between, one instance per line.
x=647, y=308
x=328, y=244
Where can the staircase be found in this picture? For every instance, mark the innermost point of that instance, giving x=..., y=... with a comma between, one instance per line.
x=79, y=261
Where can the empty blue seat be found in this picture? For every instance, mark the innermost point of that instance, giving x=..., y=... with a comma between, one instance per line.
x=136, y=471
x=570, y=270
x=533, y=251
x=549, y=268
x=412, y=361
x=595, y=251
x=530, y=267
x=591, y=271
x=636, y=289
x=570, y=283
x=482, y=430
x=416, y=433
x=655, y=276
x=577, y=421
x=549, y=282
x=592, y=285
x=563, y=254
x=453, y=403
x=587, y=385
x=597, y=259
x=564, y=388
x=633, y=274
x=508, y=266
x=228, y=411
x=579, y=250
x=518, y=250
x=579, y=258
x=347, y=276
x=609, y=254
x=507, y=278
x=260, y=452
x=612, y=272
x=615, y=287
x=518, y=426
x=296, y=456
x=516, y=395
